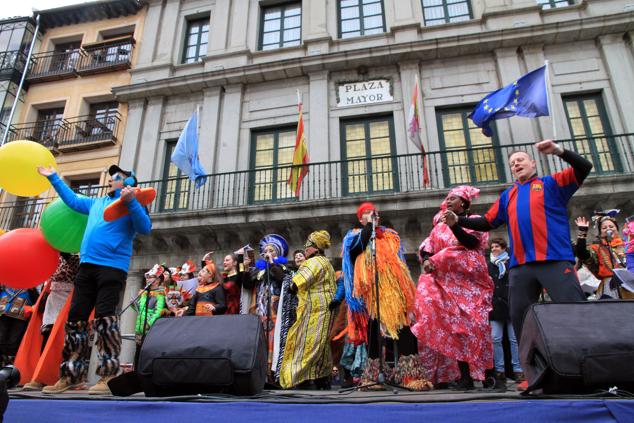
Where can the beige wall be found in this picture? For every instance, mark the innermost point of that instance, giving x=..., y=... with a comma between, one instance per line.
x=76, y=94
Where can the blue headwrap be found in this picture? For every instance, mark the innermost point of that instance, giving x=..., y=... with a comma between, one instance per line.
x=277, y=242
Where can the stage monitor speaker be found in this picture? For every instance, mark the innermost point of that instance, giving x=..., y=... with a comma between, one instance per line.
x=578, y=347
x=198, y=355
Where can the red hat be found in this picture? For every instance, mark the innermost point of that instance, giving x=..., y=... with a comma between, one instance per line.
x=364, y=207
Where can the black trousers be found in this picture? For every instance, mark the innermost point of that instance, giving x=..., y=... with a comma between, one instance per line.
x=527, y=281
x=407, y=344
x=97, y=287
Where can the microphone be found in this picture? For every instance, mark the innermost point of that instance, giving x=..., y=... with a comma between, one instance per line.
x=609, y=234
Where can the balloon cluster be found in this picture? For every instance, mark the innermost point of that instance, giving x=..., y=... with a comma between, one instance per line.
x=30, y=256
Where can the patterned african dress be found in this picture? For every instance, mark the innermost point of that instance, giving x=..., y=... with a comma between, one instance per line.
x=452, y=307
x=286, y=318
x=307, y=354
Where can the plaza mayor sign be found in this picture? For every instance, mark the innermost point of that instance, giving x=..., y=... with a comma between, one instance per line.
x=364, y=92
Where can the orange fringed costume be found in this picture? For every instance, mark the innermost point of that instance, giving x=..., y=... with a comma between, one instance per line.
x=42, y=367
x=396, y=287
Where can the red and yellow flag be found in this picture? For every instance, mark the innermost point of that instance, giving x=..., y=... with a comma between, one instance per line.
x=414, y=130
x=300, y=156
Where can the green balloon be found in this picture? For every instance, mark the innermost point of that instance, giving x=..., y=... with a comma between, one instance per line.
x=63, y=227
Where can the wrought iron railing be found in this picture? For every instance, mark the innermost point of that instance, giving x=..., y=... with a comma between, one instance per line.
x=54, y=65
x=44, y=132
x=391, y=175
x=106, y=56
x=85, y=131
x=611, y=155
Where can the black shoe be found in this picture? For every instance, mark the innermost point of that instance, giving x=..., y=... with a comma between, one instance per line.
x=323, y=384
x=488, y=382
x=500, y=381
x=463, y=385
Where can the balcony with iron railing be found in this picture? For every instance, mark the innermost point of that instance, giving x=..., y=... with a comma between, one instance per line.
x=71, y=134
x=53, y=65
x=43, y=132
x=106, y=56
x=389, y=176
x=89, y=131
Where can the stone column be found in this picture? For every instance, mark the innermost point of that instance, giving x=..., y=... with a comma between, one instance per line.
x=219, y=27
x=144, y=161
x=133, y=130
x=619, y=62
x=210, y=117
x=314, y=20
x=229, y=133
x=318, y=145
x=238, y=31
x=168, y=31
x=151, y=28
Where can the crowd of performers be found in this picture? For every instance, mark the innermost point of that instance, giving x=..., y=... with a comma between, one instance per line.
x=444, y=331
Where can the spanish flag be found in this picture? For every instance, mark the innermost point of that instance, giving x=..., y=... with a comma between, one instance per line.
x=300, y=156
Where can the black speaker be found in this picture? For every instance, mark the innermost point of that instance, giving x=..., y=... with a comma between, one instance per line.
x=578, y=347
x=198, y=355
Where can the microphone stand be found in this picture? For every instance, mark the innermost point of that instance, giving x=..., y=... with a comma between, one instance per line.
x=146, y=290
x=381, y=379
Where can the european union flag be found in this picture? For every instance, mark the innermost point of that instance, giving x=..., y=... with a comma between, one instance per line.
x=185, y=155
x=526, y=97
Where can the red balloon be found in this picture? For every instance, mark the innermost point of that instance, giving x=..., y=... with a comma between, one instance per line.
x=26, y=259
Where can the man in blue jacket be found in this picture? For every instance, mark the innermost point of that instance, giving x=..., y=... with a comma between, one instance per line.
x=105, y=258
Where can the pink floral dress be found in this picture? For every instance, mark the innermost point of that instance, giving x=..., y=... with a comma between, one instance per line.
x=452, y=307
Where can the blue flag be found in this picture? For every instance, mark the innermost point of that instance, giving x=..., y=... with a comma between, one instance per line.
x=526, y=97
x=185, y=155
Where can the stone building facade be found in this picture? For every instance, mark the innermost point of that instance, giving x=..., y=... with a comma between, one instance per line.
x=241, y=63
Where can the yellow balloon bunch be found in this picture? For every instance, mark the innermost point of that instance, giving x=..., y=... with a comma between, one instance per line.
x=18, y=168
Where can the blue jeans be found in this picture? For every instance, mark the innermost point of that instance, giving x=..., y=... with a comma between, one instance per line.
x=497, y=333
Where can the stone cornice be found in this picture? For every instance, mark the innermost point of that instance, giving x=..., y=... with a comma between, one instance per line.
x=443, y=47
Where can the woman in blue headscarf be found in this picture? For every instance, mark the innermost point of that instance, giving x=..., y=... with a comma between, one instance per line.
x=266, y=279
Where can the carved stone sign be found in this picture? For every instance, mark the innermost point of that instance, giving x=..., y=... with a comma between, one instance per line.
x=364, y=92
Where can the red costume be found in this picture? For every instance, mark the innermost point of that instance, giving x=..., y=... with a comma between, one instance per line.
x=452, y=305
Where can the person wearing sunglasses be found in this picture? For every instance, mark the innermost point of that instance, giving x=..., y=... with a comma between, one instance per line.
x=105, y=254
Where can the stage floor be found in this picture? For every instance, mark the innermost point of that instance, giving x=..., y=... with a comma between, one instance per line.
x=319, y=407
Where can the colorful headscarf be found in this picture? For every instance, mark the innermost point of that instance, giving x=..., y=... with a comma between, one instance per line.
x=277, y=242
x=319, y=240
x=466, y=192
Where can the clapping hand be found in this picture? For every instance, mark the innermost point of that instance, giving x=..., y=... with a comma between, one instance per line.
x=449, y=218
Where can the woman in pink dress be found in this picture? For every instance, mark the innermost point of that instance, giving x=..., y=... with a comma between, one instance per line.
x=453, y=299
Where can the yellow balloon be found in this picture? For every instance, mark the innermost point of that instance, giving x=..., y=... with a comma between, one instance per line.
x=18, y=168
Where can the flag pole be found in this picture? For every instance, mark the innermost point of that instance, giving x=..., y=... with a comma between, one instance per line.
x=549, y=90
